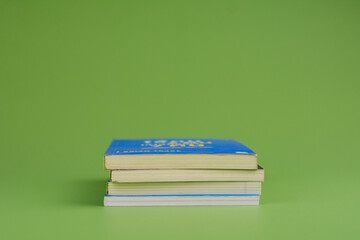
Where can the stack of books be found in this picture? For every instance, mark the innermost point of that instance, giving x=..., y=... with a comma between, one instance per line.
x=173, y=172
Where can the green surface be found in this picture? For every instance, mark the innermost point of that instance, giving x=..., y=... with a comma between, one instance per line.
x=280, y=76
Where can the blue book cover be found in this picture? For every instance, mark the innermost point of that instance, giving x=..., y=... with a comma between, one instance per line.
x=177, y=146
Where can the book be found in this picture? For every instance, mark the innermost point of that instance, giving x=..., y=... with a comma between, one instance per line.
x=181, y=200
x=183, y=188
x=179, y=153
x=182, y=175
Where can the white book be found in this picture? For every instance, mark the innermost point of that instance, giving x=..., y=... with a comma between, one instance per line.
x=183, y=188
x=182, y=175
x=113, y=201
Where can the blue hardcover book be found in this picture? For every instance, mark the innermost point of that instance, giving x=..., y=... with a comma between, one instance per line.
x=179, y=153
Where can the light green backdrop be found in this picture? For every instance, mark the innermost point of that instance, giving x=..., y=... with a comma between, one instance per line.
x=280, y=76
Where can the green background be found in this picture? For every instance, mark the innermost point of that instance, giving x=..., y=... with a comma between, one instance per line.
x=280, y=76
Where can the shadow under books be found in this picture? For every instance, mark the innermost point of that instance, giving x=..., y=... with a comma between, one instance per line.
x=86, y=192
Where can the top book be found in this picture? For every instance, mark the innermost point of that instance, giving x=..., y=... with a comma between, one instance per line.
x=179, y=153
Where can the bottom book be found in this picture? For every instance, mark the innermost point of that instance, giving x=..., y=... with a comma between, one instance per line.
x=180, y=200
